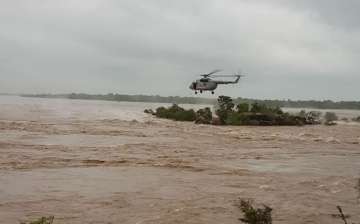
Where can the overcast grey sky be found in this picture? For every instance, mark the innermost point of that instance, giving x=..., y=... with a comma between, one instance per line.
x=298, y=49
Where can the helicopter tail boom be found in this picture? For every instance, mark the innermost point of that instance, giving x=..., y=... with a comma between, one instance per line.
x=230, y=82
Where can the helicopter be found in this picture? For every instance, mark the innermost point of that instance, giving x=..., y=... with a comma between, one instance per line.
x=208, y=84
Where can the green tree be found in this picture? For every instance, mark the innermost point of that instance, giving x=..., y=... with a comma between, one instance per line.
x=242, y=108
x=226, y=106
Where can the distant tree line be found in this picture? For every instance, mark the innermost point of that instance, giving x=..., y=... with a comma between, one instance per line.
x=326, y=104
x=128, y=98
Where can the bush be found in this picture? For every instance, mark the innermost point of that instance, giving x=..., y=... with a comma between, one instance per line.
x=257, y=108
x=262, y=108
x=186, y=115
x=242, y=108
x=249, y=118
x=42, y=220
x=254, y=215
x=277, y=110
x=330, y=117
x=287, y=119
x=302, y=113
x=237, y=119
x=162, y=112
x=265, y=119
x=203, y=116
x=176, y=113
x=259, y=114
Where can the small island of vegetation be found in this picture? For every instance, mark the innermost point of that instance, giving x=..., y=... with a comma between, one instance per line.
x=228, y=113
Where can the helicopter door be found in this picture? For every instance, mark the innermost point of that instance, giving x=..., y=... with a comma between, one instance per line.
x=194, y=85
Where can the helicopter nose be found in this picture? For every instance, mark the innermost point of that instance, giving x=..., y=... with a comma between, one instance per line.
x=191, y=86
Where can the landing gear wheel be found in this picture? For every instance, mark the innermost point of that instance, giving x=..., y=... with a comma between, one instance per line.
x=195, y=92
x=200, y=91
x=212, y=92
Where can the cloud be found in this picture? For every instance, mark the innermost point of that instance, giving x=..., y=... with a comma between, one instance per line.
x=158, y=47
x=340, y=15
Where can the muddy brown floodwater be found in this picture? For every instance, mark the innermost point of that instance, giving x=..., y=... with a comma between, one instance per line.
x=90, y=162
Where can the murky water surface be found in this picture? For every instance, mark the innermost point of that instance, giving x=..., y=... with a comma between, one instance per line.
x=108, y=162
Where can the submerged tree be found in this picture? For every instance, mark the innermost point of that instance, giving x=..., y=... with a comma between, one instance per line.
x=254, y=215
x=42, y=220
x=226, y=106
x=203, y=116
x=242, y=108
x=176, y=113
x=330, y=117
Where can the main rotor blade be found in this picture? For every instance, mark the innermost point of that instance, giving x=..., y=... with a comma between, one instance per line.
x=215, y=71
x=225, y=75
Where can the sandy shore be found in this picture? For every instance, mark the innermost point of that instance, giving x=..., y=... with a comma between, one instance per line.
x=85, y=168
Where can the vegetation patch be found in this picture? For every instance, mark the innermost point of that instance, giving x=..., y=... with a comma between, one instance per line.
x=42, y=220
x=330, y=118
x=204, y=116
x=176, y=113
x=227, y=113
x=259, y=114
x=253, y=215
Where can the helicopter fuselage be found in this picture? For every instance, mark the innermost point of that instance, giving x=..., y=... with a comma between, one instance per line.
x=203, y=84
x=208, y=84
